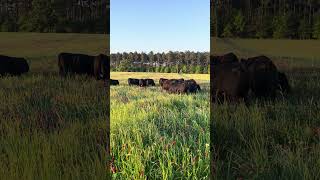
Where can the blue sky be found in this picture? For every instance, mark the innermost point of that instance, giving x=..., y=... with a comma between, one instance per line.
x=159, y=25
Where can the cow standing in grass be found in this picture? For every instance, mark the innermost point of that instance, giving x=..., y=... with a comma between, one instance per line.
x=132, y=82
x=95, y=66
x=229, y=82
x=263, y=76
x=180, y=86
x=14, y=66
x=146, y=82
x=114, y=82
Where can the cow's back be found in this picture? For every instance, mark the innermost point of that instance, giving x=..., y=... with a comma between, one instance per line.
x=13, y=65
x=132, y=81
x=263, y=76
x=226, y=58
x=76, y=63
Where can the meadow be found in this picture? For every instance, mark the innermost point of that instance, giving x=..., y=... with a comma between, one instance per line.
x=271, y=140
x=284, y=48
x=156, y=135
x=50, y=127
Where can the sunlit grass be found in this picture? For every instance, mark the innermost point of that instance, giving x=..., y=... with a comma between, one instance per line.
x=157, y=135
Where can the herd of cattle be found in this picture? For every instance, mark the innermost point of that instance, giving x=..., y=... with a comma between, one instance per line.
x=233, y=79
x=69, y=63
x=178, y=86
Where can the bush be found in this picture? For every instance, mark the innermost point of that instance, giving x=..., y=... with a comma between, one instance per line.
x=8, y=26
x=184, y=69
x=158, y=69
x=198, y=70
x=280, y=27
x=239, y=24
x=316, y=28
x=228, y=31
x=124, y=66
x=192, y=69
x=304, y=30
x=204, y=69
x=167, y=69
x=173, y=69
x=162, y=69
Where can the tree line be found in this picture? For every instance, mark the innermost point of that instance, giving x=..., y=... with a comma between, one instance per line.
x=288, y=19
x=170, y=62
x=79, y=16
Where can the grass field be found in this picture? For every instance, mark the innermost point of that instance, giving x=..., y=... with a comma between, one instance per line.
x=52, y=128
x=294, y=49
x=272, y=140
x=156, y=135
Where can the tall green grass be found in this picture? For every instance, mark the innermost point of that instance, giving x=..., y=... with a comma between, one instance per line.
x=156, y=135
x=51, y=127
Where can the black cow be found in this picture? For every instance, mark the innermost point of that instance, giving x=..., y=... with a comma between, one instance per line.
x=283, y=83
x=114, y=82
x=181, y=86
x=226, y=58
x=263, y=76
x=229, y=82
x=96, y=66
x=14, y=66
x=170, y=82
x=146, y=82
x=150, y=82
x=132, y=81
x=192, y=86
x=162, y=80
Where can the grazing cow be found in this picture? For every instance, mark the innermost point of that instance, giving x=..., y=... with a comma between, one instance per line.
x=161, y=80
x=283, y=83
x=181, y=86
x=192, y=86
x=146, y=82
x=142, y=83
x=132, y=81
x=150, y=82
x=13, y=66
x=114, y=82
x=229, y=83
x=226, y=58
x=170, y=82
x=96, y=66
x=263, y=76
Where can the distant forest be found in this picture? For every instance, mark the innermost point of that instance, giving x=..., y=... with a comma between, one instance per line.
x=78, y=16
x=279, y=19
x=171, y=62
